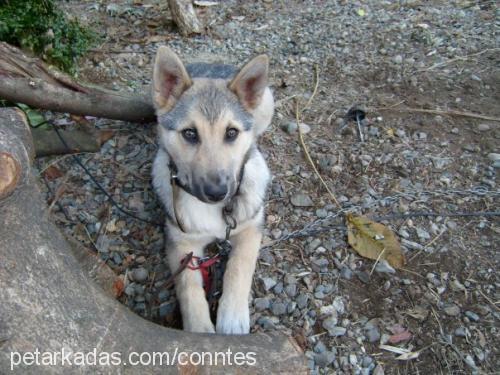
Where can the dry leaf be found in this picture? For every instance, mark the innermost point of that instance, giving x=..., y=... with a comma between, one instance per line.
x=118, y=287
x=402, y=336
x=52, y=172
x=408, y=356
x=418, y=312
x=370, y=239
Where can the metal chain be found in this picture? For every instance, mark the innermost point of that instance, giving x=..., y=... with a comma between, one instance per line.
x=319, y=225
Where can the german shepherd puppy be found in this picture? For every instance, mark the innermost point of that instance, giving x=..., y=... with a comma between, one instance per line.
x=209, y=119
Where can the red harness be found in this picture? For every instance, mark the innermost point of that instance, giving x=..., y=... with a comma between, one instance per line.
x=204, y=267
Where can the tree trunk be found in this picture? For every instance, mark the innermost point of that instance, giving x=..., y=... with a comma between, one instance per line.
x=50, y=304
x=185, y=17
x=28, y=80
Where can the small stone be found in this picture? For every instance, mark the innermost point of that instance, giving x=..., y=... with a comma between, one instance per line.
x=278, y=288
x=398, y=59
x=330, y=323
x=268, y=283
x=346, y=273
x=469, y=361
x=338, y=304
x=265, y=323
x=353, y=360
x=278, y=308
x=261, y=304
x=461, y=332
x=493, y=156
x=301, y=200
x=451, y=225
x=384, y=267
x=302, y=300
x=373, y=334
x=483, y=127
x=337, y=331
x=452, y=310
x=166, y=308
x=363, y=276
x=379, y=370
x=321, y=213
x=324, y=359
x=422, y=234
x=319, y=347
x=472, y=316
x=291, y=290
x=140, y=274
x=130, y=290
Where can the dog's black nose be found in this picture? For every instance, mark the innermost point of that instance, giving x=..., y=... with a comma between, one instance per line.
x=215, y=193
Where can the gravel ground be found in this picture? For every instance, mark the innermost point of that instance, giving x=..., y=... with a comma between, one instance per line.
x=443, y=306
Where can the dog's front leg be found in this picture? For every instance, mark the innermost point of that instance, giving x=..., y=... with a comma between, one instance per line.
x=233, y=315
x=189, y=287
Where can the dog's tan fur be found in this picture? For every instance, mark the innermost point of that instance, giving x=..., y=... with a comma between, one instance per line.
x=211, y=104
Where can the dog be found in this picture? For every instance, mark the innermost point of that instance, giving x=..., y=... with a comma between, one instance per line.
x=210, y=117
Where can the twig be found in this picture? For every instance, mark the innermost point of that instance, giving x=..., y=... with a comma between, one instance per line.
x=489, y=300
x=438, y=112
x=301, y=138
x=376, y=262
x=458, y=59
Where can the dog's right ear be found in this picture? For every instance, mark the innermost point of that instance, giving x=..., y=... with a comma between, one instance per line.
x=170, y=79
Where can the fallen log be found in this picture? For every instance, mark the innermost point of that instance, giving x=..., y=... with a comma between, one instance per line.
x=51, y=305
x=25, y=79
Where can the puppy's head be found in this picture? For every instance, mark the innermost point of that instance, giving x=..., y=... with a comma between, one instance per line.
x=207, y=125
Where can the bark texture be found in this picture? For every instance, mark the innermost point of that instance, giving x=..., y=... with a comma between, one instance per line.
x=185, y=17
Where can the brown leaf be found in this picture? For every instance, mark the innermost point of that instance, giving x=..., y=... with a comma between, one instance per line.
x=105, y=135
x=118, y=287
x=52, y=172
x=397, y=338
x=370, y=239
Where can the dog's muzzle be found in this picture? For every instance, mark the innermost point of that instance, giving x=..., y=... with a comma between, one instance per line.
x=215, y=192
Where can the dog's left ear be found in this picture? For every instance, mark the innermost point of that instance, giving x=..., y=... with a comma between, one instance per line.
x=251, y=81
x=170, y=79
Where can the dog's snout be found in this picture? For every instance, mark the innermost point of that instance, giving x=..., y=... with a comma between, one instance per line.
x=215, y=192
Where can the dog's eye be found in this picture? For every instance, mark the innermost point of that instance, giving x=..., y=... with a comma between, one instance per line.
x=231, y=134
x=190, y=135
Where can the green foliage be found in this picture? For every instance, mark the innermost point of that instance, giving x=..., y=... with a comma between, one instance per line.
x=43, y=28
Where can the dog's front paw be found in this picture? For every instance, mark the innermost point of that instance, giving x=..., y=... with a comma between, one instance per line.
x=233, y=317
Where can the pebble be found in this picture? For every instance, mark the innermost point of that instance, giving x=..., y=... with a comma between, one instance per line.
x=461, y=331
x=493, y=156
x=261, y=304
x=472, y=316
x=291, y=290
x=330, y=323
x=278, y=308
x=268, y=283
x=384, y=267
x=321, y=213
x=166, y=308
x=338, y=305
x=452, y=310
x=483, y=127
x=301, y=200
x=337, y=331
x=398, y=59
x=302, y=300
x=346, y=273
x=324, y=359
x=140, y=274
x=319, y=347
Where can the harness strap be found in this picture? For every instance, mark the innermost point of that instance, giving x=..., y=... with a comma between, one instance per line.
x=204, y=267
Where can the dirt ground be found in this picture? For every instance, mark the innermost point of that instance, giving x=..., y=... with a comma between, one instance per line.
x=387, y=58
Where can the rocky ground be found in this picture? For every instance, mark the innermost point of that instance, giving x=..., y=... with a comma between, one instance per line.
x=440, y=313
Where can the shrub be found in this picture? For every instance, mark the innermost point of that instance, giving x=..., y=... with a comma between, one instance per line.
x=43, y=28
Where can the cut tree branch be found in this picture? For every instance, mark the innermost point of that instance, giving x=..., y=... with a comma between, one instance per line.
x=28, y=80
